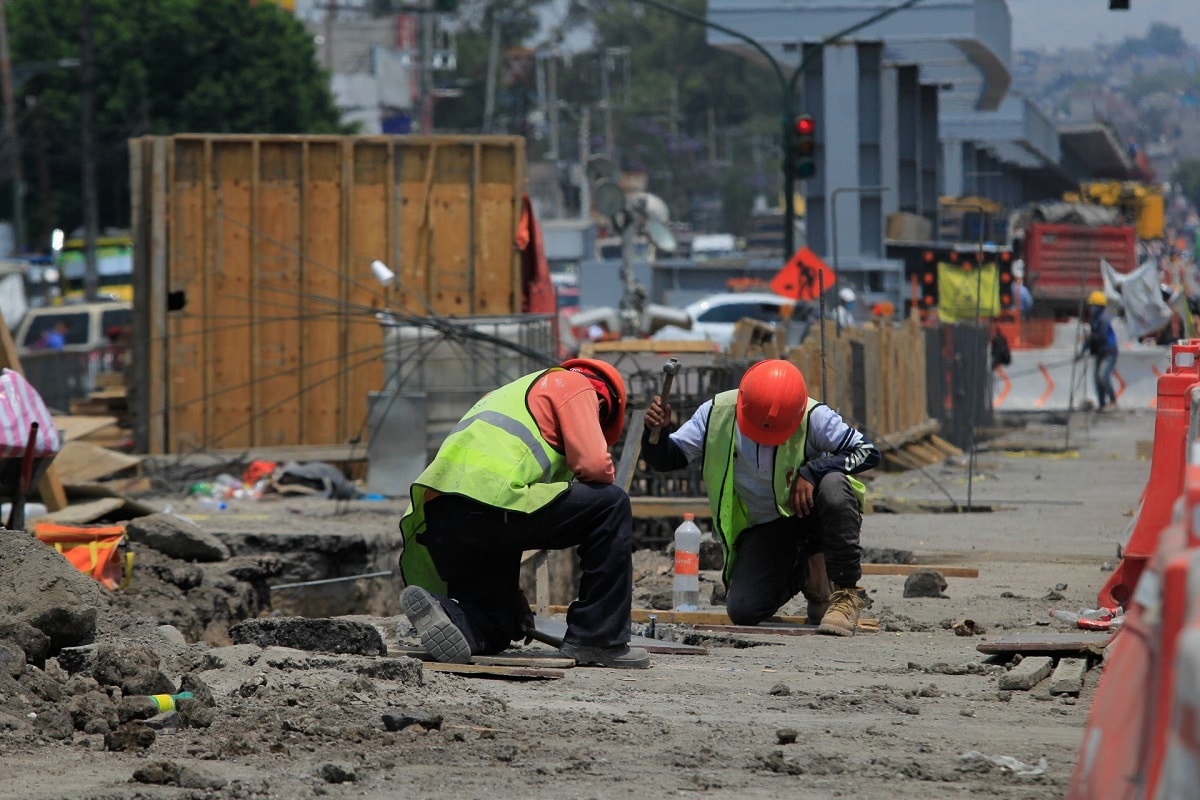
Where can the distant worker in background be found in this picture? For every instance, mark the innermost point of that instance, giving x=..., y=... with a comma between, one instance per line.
x=1102, y=344
x=527, y=468
x=845, y=310
x=1022, y=297
x=778, y=466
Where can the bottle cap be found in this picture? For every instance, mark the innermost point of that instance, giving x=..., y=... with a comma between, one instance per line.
x=688, y=517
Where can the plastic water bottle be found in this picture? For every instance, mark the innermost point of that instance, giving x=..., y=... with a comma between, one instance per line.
x=687, y=565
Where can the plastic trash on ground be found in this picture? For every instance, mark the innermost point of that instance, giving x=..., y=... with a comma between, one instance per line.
x=1008, y=762
x=1093, y=619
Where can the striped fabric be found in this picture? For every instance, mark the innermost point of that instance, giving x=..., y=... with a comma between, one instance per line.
x=20, y=407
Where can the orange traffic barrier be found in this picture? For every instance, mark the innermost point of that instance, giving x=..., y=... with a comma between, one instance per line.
x=1180, y=774
x=1135, y=723
x=1166, y=473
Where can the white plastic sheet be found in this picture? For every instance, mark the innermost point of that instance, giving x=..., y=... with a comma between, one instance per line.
x=1140, y=296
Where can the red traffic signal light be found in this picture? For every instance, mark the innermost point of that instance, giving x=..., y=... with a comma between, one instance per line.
x=805, y=145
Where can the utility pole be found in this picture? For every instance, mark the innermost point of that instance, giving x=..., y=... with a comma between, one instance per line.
x=552, y=103
x=606, y=93
x=426, y=68
x=91, y=221
x=43, y=173
x=12, y=144
x=585, y=134
x=330, y=17
x=489, y=100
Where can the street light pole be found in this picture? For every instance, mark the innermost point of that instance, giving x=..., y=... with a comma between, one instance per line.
x=788, y=94
x=11, y=143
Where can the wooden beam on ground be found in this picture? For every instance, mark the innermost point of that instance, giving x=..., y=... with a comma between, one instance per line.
x=301, y=452
x=1092, y=642
x=657, y=507
x=82, y=462
x=897, y=440
x=555, y=628
x=782, y=628
x=542, y=659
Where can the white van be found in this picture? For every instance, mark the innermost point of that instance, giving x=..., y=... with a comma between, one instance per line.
x=84, y=326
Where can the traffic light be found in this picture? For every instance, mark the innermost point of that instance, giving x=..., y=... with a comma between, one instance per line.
x=804, y=144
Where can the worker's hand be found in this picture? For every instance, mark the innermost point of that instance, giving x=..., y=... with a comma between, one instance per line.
x=658, y=414
x=801, y=500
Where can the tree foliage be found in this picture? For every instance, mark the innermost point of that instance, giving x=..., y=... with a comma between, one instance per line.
x=162, y=67
x=1187, y=175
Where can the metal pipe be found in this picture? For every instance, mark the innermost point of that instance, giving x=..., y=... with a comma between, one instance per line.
x=323, y=581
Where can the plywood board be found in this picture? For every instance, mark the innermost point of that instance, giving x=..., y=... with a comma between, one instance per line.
x=83, y=513
x=908, y=569
x=82, y=462
x=779, y=628
x=77, y=427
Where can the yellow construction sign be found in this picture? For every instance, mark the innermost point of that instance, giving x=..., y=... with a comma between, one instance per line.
x=964, y=293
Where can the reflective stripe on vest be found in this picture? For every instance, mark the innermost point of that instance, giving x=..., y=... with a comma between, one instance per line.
x=510, y=425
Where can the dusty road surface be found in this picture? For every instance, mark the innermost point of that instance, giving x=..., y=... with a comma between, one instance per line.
x=890, y=714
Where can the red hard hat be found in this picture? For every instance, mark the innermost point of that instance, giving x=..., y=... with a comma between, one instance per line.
x=614, y=394
x=772, y=398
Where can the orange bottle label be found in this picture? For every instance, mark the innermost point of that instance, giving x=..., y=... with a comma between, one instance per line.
x=687, y=563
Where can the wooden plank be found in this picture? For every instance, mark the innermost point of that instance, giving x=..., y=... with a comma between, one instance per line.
x=81, y=462
x=74, y=428
x=558, y=628
x=277, y=324
x=415, y=171
x=362, y=362
x=1049, y=642
x=631, y=451
x=667, y=617
x=944, y=446
x=489, y=671
x=908, y=569
x=230, y=390
x=83, y=513
x=320, y=345
x=497, y=270
x=509, y=658
x=185, y=418
x=658, y=507
x=541, y=572
x=899, y=439
x=333, y=452
x=448, y=227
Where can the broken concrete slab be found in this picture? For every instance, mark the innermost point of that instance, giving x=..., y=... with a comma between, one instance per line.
x=1028, y=674
x=1068, y=676
x=314, y=635
x=135, y=669
x=174, y=537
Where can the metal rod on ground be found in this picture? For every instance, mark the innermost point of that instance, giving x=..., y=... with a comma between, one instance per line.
x=324, y=581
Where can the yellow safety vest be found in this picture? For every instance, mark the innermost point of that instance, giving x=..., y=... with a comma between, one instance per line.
x=496, y=456
x=729, y=513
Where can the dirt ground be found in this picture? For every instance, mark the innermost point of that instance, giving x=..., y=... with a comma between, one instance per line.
x=877, y=716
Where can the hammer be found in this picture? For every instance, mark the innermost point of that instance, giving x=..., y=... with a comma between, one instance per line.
x=670, y=370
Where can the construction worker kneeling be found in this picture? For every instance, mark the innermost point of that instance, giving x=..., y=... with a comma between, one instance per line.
x=778, y=467
x=527, y=468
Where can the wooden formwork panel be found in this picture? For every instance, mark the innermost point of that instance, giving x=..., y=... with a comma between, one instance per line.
x=264, y=260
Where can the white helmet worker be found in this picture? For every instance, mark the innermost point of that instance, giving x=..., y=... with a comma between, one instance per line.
x=847, y=295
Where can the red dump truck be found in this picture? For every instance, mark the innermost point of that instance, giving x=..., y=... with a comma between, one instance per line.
x=1062, y=262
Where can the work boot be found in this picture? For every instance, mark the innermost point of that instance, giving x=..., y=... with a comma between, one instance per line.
x=440, y=637
x=619, y=657
x=817, y=588
x=842, y=617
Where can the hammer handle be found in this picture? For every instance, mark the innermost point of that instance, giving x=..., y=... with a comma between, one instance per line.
x=666, y=392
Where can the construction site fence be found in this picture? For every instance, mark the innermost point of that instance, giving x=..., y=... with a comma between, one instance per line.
x=254, y=293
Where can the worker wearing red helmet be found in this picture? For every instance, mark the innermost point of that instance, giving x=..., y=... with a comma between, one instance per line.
x=527, y=468
x=778, y=467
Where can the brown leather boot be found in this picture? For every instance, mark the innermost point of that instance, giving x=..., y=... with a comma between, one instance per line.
x=842, y=617
x=817, y=588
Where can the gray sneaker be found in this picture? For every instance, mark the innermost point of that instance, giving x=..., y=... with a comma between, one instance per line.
x=439, y=635
x=620, y=657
